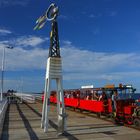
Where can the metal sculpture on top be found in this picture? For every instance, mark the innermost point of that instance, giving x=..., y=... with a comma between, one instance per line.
x=53, y=71
x=51, y=15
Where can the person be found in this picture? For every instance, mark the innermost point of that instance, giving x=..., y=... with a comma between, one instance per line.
x=114, y=103
x=87, y=97
x=95, y=95
x=104, y=99
x=103, y=96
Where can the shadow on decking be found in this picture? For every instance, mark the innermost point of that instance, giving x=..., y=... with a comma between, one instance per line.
x=5, y=131
x=27, y=125
x=69, y=136
x=52, y=124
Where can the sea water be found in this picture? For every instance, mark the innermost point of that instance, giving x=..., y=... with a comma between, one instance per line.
x=134, y=96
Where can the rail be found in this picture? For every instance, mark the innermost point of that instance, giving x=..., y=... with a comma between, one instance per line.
x=3, y=108
x=26, y=97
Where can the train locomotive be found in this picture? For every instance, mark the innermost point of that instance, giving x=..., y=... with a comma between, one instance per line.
x=99, y=101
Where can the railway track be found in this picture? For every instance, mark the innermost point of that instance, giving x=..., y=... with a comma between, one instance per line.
x=102, y=117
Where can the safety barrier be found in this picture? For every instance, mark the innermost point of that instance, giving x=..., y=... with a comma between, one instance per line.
x=91, y=105
x=71, y=102
x=26, y=97
x=3, y=109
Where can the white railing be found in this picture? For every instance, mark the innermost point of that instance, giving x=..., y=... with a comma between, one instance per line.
x=26, y=97
x=3, y=109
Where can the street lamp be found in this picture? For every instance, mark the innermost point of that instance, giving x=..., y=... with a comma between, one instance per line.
x=2, y=69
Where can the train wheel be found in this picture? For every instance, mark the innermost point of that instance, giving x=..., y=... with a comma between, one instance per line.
x=107, y=115
x=136, y=122
x=129, y=121
x=113, y=115
x=114, y=120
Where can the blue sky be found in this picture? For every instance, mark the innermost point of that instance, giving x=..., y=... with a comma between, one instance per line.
x=99, y=40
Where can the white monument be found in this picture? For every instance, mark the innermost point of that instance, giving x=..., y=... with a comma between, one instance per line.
x=53, y=72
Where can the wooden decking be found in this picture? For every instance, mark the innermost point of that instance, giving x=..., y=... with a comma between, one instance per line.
x=22, y=122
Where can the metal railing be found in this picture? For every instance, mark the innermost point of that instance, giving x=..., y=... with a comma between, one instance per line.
x=25, y=97
x=3, y=109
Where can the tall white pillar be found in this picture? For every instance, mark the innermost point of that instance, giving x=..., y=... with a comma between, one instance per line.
x=54, y=72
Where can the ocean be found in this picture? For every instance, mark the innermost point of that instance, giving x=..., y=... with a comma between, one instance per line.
x=134, y=96
x=129, y=95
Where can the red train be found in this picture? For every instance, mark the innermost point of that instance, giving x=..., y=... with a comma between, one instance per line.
x=98, y=100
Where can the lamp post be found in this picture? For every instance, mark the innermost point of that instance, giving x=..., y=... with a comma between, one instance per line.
x=2, y=70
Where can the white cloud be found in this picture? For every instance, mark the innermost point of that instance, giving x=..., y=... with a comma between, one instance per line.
x=63, y=17
x=74, y=60
x=92, y=16
x=113, y=13
x=96, y=31
x=5, y=31
x=84, y=60
x=66, y=43
x=91, y=76
x=25, y=41
x=21, y=59
x=77, y=64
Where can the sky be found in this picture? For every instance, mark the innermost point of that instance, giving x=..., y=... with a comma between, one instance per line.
x=99, y=42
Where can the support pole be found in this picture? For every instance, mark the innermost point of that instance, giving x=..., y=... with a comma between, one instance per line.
x=61, y=108
x=54, y=72
x=2, y=72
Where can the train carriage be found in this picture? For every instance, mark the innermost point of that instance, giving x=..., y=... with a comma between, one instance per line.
x=92, y=100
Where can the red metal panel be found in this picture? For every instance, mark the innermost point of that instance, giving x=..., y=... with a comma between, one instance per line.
x=109, y=105
x=51, y=99
x=124, y=106
x=43, y=98
x=129, y=109
x=98, y=106
x=91, y=105
x=55, y=99
x=120, y=106
x=71, y=102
